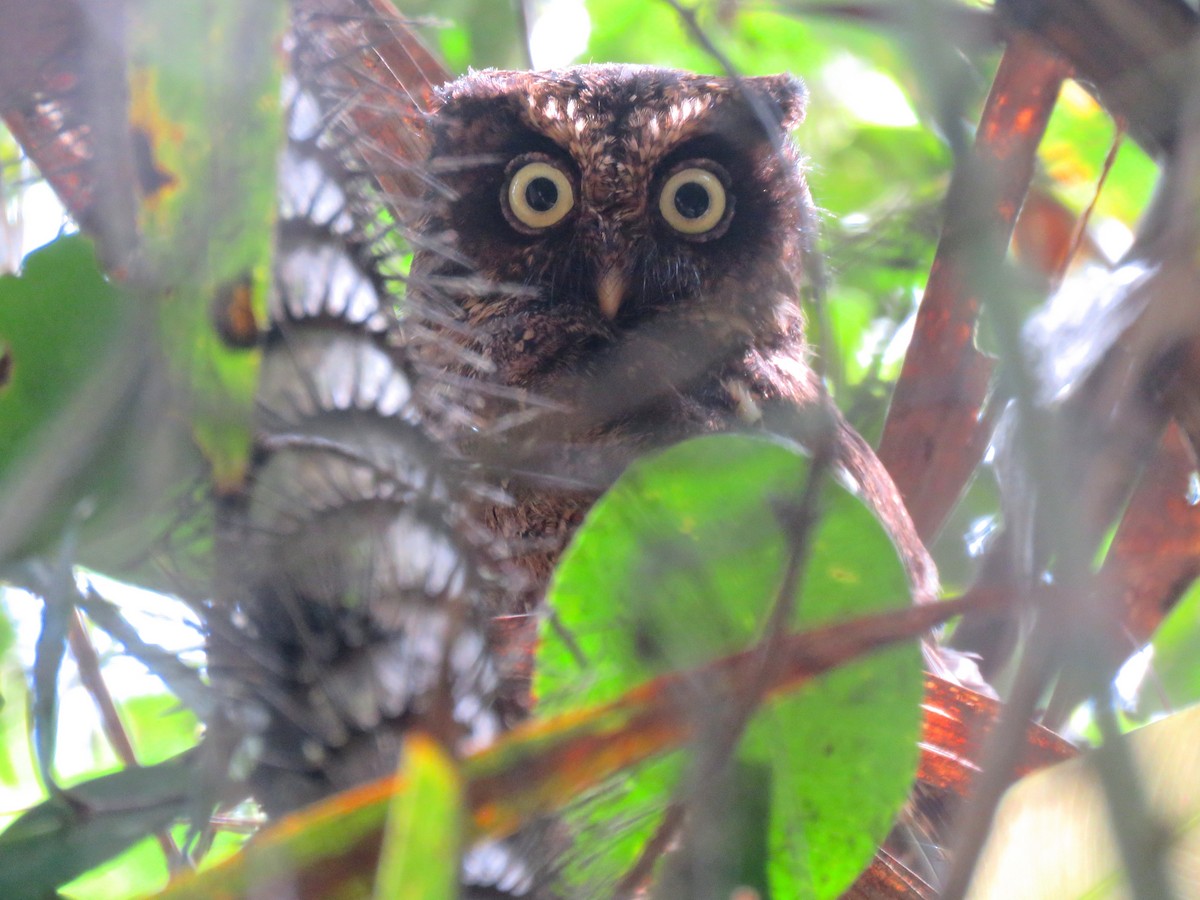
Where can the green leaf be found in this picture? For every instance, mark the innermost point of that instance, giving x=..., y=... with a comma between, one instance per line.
x=541, y=766
x=15, y=768
x=57, y=323
x=422, y=839
x=139, y=871
x=1176, y=679
x=142, y=869
x=204, y=103
x=56, y=320
x=328, y=849
x=757, y=41
x=1078, y=138
x=679, y=564
x=87, y=432
x=60, y=839
x=874, y=165
x=159, y=726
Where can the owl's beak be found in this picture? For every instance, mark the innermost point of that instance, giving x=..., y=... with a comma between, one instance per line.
x=611, y=292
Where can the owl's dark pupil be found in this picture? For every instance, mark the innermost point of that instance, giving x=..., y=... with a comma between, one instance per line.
x=691, y=200
x=541, y=194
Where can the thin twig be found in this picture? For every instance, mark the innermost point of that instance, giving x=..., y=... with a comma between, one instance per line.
x=1080, y=231
x=657, y=845
x=237, y=824
x=92, y=678
x=93, y=682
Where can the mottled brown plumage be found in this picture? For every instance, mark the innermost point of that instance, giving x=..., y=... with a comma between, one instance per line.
x=642, y=291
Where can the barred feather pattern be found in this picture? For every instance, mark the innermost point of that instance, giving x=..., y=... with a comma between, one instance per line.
x=354, y=582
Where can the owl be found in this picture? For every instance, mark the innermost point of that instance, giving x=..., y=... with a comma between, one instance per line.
x=615, y=253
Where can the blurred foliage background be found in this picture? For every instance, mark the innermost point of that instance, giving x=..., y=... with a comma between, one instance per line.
x=885, y=119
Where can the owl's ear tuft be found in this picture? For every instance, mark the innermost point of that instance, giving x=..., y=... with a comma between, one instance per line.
x=786, y=94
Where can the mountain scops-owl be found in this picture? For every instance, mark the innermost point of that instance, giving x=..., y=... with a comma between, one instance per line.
x=617, y=251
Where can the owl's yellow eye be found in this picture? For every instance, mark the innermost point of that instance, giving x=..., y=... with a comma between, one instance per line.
x=540, y=195
x=693, y=201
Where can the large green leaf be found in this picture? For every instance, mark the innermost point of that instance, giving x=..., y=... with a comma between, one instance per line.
x=58, y=321
x=88, y=433
x=679, y=564
x=204, y=105
x=66, y=835
x=179, y=364
x=543, y=765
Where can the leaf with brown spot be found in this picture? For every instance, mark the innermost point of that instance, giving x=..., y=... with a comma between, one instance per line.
x=203, y=103
x=158, y=123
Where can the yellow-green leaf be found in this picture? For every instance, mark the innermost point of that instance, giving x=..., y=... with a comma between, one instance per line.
x=206, y=124
x=422, y=839
x=1053, y=836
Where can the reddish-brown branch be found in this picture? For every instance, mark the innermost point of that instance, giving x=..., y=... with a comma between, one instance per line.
x=1155, y=553
x=936, y=431
x=651, y=719
x=1135, y=55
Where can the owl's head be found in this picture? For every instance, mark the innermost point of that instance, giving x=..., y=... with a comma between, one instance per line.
x=591, y=204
